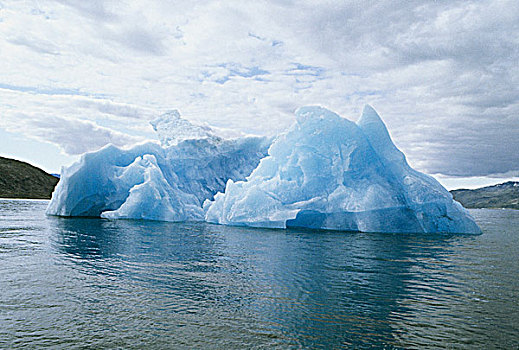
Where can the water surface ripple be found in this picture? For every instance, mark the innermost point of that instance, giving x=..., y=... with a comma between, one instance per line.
x=91, y=283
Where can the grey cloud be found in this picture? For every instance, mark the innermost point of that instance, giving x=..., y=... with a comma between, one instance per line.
x=122, y=110
x=94, y=9
x=466, y=146
x=478, y=45
x=141, y=40
x=442, y=74
x=73, y=136
x=387, y=35
x=37, y=45
x=112, y=25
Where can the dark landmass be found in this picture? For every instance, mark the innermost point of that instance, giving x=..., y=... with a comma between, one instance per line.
x=22, y=180
x=505, y=195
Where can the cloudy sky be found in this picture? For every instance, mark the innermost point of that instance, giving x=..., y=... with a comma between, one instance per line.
x=444, y=75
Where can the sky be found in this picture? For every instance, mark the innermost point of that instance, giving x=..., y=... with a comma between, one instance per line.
x=444, y=75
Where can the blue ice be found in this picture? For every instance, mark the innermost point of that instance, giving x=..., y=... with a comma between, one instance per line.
x=325, y=172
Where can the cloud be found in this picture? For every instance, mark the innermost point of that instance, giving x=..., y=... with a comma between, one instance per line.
x=443, y=75
x=76, y=129
x=97, y=10
x=38, y=45
x=73, y=136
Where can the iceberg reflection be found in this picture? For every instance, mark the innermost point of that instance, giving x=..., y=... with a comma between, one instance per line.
x=257, y=286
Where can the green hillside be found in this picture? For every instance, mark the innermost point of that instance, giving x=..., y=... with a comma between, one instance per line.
x=22, y=180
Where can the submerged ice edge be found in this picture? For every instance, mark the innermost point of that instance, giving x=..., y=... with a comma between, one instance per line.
x=325, y=172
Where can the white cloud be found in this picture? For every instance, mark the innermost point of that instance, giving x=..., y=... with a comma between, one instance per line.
x=443, y=75
x=71, y=135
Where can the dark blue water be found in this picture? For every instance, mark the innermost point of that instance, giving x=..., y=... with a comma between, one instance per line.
x=91, y=283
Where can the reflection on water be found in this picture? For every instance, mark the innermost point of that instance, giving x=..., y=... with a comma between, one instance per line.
x=97, y=283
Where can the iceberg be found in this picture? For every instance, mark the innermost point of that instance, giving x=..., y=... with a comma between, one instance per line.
x=327, y=172
x=166, y=182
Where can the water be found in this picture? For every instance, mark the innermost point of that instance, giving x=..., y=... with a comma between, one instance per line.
x=91, y=283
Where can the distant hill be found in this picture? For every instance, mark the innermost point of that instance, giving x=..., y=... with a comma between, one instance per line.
x=505, y=195
x=22, y=180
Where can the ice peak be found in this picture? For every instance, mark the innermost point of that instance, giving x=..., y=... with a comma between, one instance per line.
x=172, y=129
x=369, y=116
x=376, y=132
x=174, y=113
x=313, y=112
x=374, y=128
x=307, y=112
